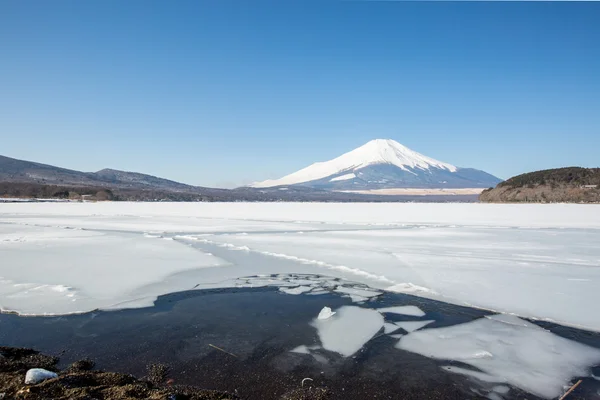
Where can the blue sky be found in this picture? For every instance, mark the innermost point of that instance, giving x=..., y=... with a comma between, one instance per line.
x=225, y=93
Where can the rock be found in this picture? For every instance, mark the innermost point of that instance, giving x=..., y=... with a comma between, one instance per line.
x=82, y=365
x=37, y=375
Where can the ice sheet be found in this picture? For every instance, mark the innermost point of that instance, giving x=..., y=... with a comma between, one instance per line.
x=507, y=349
x=47, y=270
x=349, y=329
x=471, y=266
x=382, y=214
x=538, y=261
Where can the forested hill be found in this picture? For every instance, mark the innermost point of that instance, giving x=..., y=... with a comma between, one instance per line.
x=571, y=184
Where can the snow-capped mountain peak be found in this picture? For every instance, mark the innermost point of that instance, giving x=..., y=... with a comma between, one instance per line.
x=388, y=151
x=375, y=152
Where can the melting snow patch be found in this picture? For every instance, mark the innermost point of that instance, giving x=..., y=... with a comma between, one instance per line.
x=404, y=310
x=507, y=349
x=343, y=177
x=348, y=331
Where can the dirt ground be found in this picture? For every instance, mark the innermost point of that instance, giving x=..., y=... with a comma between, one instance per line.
x=80, y=382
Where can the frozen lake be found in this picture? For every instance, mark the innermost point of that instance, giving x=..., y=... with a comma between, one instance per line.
x=539, y=262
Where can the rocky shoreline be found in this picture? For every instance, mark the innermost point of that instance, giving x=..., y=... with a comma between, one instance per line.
x=81, y=381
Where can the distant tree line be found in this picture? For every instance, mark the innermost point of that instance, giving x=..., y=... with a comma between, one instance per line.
x=43, y=191
x=572, y=185
x=572, y=176
x=98, y=193
x=36, y=190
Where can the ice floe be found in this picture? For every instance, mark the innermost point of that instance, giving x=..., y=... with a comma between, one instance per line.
x=404, y=310
x=389, y=328
x=296, y=290
x=349, y=329
x=411, y=326
x=325, y=313
x=507, y=349
x=309, y=284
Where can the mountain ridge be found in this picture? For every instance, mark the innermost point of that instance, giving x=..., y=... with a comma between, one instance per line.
x=15, y=170
x=383, y=164
x=30, y=180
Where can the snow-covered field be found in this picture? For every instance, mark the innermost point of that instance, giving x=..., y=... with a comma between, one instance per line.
x=539, y=261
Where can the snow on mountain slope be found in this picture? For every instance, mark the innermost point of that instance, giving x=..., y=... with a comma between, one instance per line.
x=385, y=153
x=343, y=177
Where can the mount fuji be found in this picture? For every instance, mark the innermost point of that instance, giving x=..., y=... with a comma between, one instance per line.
x=383, y=164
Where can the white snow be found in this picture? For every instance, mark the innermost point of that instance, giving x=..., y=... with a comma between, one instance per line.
x=378, y=151
x=325, y=313
x=344, y=177
x=37, y=375
x=507, y=349
x=405, y=310
x=538, y=261
x=349, y=329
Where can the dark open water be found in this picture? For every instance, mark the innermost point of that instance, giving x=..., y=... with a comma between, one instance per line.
x=260, y=326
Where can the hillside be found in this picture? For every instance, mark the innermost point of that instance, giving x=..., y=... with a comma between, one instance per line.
x=570, y=185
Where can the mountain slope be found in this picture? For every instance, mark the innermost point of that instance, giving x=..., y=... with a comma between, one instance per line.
x=135, y=179
x=383, y=164
x=13, y=170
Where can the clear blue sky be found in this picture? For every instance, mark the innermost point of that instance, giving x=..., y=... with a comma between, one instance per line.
x=225, y=93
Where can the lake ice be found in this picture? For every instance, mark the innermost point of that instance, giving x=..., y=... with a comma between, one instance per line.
x=535, y=261
x=539, y=261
